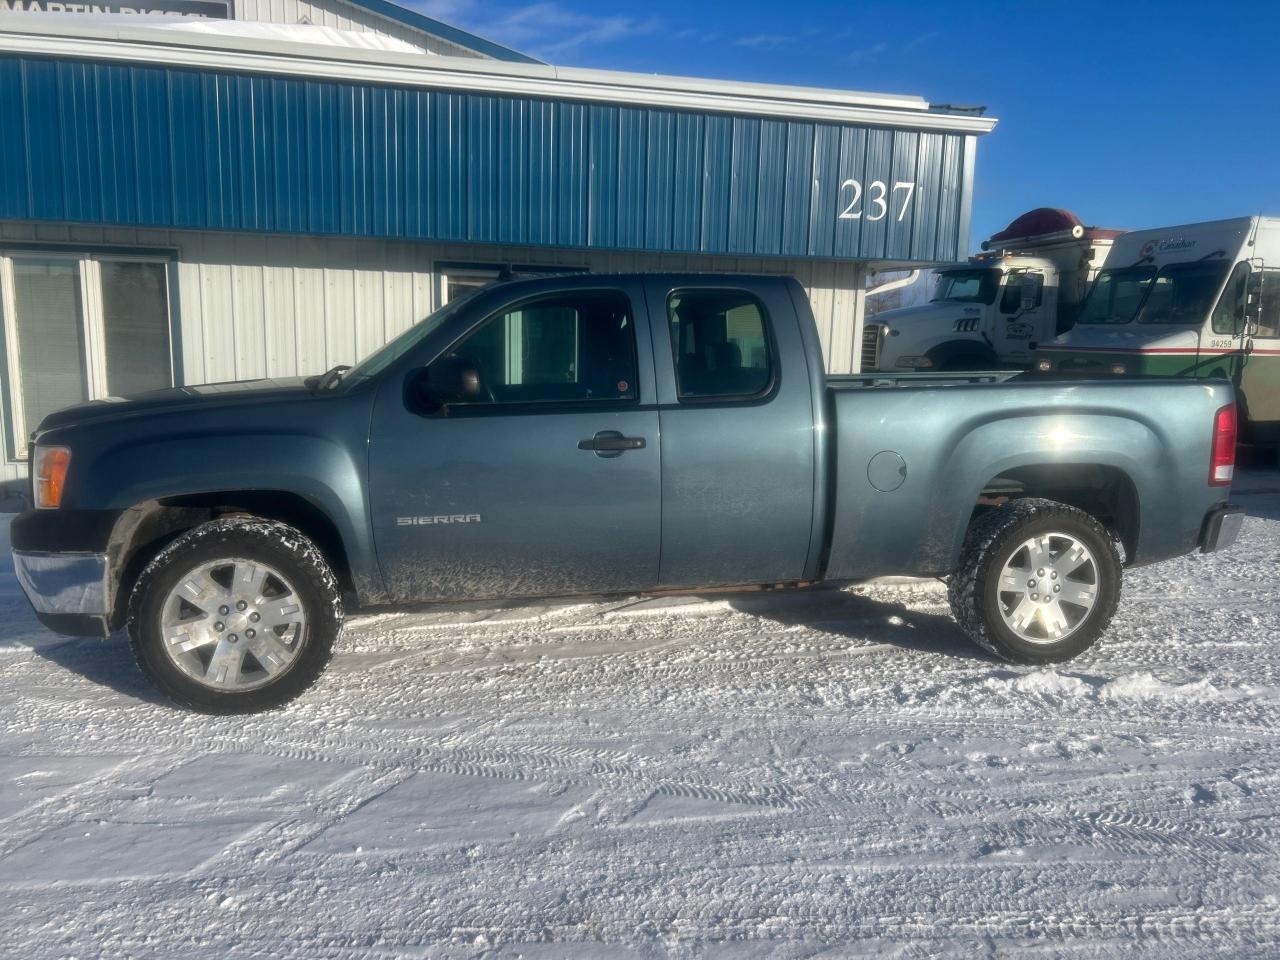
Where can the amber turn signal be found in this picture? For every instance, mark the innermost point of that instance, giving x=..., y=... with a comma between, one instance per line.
x=50, y=468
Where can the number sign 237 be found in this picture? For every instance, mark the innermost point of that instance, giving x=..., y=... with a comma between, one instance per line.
x=877, y=199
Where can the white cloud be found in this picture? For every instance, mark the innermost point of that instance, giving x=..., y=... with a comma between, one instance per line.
x=867, y=54
x=547, y=29
x=764, y=41
x=920, y=41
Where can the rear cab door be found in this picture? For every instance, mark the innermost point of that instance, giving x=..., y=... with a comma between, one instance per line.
x=737, y=416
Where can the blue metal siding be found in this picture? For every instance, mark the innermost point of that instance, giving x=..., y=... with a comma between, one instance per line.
x=150, y=146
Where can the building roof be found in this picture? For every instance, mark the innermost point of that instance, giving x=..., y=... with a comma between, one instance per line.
x=67, y=37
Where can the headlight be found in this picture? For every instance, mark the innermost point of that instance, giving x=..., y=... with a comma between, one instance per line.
x=1119, y=369
x=916, y=363
x=1044, y=366
x=49, y=470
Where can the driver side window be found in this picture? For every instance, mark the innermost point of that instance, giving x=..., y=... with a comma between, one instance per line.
x=1018, y=286
x=1229, y=315
x=1266, y=303
x=568, y=347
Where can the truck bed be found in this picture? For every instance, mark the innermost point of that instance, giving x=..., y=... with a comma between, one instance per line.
x=915, y=453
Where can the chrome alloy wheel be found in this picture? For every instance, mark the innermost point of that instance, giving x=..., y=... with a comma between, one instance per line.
x=233, y=624
x=1047, y=588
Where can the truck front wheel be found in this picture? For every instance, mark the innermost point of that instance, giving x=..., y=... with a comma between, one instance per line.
x=235, y=616
x=1038, y=581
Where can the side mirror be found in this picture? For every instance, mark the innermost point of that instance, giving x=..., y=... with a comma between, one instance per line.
x=447, y=381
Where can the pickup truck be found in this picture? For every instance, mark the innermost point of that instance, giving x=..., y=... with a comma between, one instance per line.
x=597, y=435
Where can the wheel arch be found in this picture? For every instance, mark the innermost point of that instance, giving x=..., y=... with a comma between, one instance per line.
x=962, y=355
x=1104, y=491
x=146, y=529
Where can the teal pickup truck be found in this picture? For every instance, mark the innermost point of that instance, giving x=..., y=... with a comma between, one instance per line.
x=595, y=435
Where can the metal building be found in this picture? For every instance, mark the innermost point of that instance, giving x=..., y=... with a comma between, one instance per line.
x=191, y=200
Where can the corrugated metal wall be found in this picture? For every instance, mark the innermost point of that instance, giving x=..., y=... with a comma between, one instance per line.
x=253, y=306
x=153, y=146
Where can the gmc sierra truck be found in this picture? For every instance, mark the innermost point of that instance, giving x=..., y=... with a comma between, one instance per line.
x=596, y=435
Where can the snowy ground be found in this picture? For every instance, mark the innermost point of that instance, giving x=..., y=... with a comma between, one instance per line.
x=828, y=774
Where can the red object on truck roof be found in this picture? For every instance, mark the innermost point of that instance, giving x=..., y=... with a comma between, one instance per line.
x=1048, y=220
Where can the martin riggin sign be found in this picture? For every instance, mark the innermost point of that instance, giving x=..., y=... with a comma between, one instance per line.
x=208, y=9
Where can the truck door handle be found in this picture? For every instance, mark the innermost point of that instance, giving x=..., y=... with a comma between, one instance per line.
x=611, y=443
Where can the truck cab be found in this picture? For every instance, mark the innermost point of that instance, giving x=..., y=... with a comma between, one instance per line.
x=990, y=312
x=1200, y=301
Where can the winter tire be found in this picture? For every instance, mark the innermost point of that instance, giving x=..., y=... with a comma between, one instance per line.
x=1038, y=581
x=237, y=615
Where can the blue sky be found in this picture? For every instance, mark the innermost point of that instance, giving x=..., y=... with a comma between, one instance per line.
x=1132, y=115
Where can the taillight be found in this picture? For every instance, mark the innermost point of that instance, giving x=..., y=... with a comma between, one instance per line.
x=50, y=469
x=1222, y=462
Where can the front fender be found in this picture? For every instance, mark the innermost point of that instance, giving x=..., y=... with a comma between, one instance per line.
x=318, y=454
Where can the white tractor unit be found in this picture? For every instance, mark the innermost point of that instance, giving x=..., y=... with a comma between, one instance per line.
x=991, y=312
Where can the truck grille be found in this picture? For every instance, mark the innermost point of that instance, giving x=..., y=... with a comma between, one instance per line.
x=870, y=346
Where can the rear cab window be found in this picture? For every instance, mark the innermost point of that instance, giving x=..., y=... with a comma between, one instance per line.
x=721, y=345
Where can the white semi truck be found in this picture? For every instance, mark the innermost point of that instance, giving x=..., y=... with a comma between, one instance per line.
x=991, y=312
x=1199, y=300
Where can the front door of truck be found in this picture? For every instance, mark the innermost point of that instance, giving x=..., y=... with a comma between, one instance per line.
x=738, y=439
x=1019, y=318
x=525, y=460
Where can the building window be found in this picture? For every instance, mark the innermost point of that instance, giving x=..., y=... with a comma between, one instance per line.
x=569, y=347
x=721, y=344
x=80, y=327
x=456, y=282
x=459, y=278
x=135, y=320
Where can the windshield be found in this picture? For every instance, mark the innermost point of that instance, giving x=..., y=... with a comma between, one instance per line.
x=1183, y=293
x=378, y=361
x=967, y=286
x=1116, y=295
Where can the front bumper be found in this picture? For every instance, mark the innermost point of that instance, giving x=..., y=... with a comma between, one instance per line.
x=70, y=592
x=1221, y=528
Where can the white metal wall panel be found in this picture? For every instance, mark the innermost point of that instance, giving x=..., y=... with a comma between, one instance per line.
x=280, y=320
x=308, y=318
x=217, y=304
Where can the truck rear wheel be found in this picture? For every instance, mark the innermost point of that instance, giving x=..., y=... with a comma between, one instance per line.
x=1038, y=582
x=235, y=616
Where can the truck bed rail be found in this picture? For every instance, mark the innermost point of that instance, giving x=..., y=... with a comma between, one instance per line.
x=848, y=381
